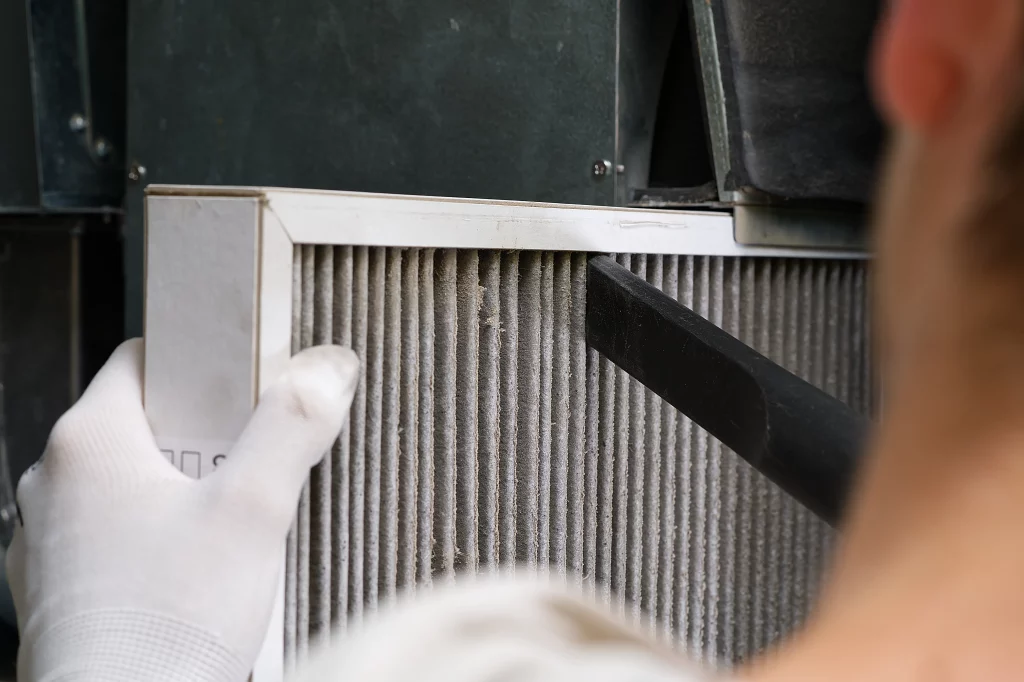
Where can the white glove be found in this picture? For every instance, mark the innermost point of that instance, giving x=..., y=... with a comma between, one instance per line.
x=125, y=569
x=513, y=630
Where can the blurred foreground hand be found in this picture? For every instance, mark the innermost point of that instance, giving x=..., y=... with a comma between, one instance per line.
x=508, y=628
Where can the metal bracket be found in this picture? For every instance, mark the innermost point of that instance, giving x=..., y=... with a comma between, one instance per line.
x=801, y=228
x=801, y=438
x=702, y=16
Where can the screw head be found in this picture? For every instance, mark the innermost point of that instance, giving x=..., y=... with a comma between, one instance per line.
x=600, y=168
x=77, y=123
x=101, y=147
x=136, y=172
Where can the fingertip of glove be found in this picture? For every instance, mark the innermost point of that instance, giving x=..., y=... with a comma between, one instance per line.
x=130, y=352
x=343, y=361
x=123, y=370
x=319, y=384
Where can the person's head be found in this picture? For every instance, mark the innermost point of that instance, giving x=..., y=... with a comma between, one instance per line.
x=949, y=77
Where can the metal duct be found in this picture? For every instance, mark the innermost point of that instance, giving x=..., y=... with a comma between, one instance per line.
x=485, y=432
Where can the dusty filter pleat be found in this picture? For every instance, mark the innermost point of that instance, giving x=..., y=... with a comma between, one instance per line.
x=733, y=496
x=684, y=492
x=760, y=492
x=667, y=517
x=818, y=372
x=409, y=427
x=357, y=437
x=727, y=286
x=467, y=409
x=576, y=412
x=832, y=312
x=858, y=353
x=605, y=475
x=484, y=431
x=425, y=430
x=839, y=345
x=320, y=483
x=714, y=552
x=771, y=342
x=445, y=406
x=864, y=377
x=488, y=409
x=559, y=529
x=390, y=423
x=806, y=535
x=793, y=551
x=635, y=471
x=305, y=544
x=847, y=337
x=745, y=563
x=776, y=503
x=342, y=334
x=591, y=464
x=698, y=492
x=544, y=473
x=620, y=481
x=508, y=413
x=374, y=425
x=652, y=486
x=528, y=433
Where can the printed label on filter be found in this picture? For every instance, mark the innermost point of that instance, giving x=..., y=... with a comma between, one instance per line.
x=192, y=457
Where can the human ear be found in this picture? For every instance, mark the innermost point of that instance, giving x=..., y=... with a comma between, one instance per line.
x=930, y=54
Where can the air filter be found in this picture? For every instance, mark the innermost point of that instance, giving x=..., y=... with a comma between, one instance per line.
x=484, y=431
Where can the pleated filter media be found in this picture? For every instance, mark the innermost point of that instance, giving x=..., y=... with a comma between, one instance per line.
x=486, y=433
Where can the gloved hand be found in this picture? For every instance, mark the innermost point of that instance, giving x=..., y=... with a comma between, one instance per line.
x=513, y=629
x=125, y=569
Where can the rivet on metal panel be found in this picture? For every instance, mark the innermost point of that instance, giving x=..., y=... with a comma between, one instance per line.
x=601, y=168
x=102, y=148
x=77, y=123
x=136, y=172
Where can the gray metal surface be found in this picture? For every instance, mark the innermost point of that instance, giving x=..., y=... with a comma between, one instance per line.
x=19, y=181
x=484, y=431
x=788, y=110
x=60, y=318
x=62, y=125
x=800, y=117
x=646, y=29
x=445, y=98
x=802, y=228
x=706, y=21
x=36, y=323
